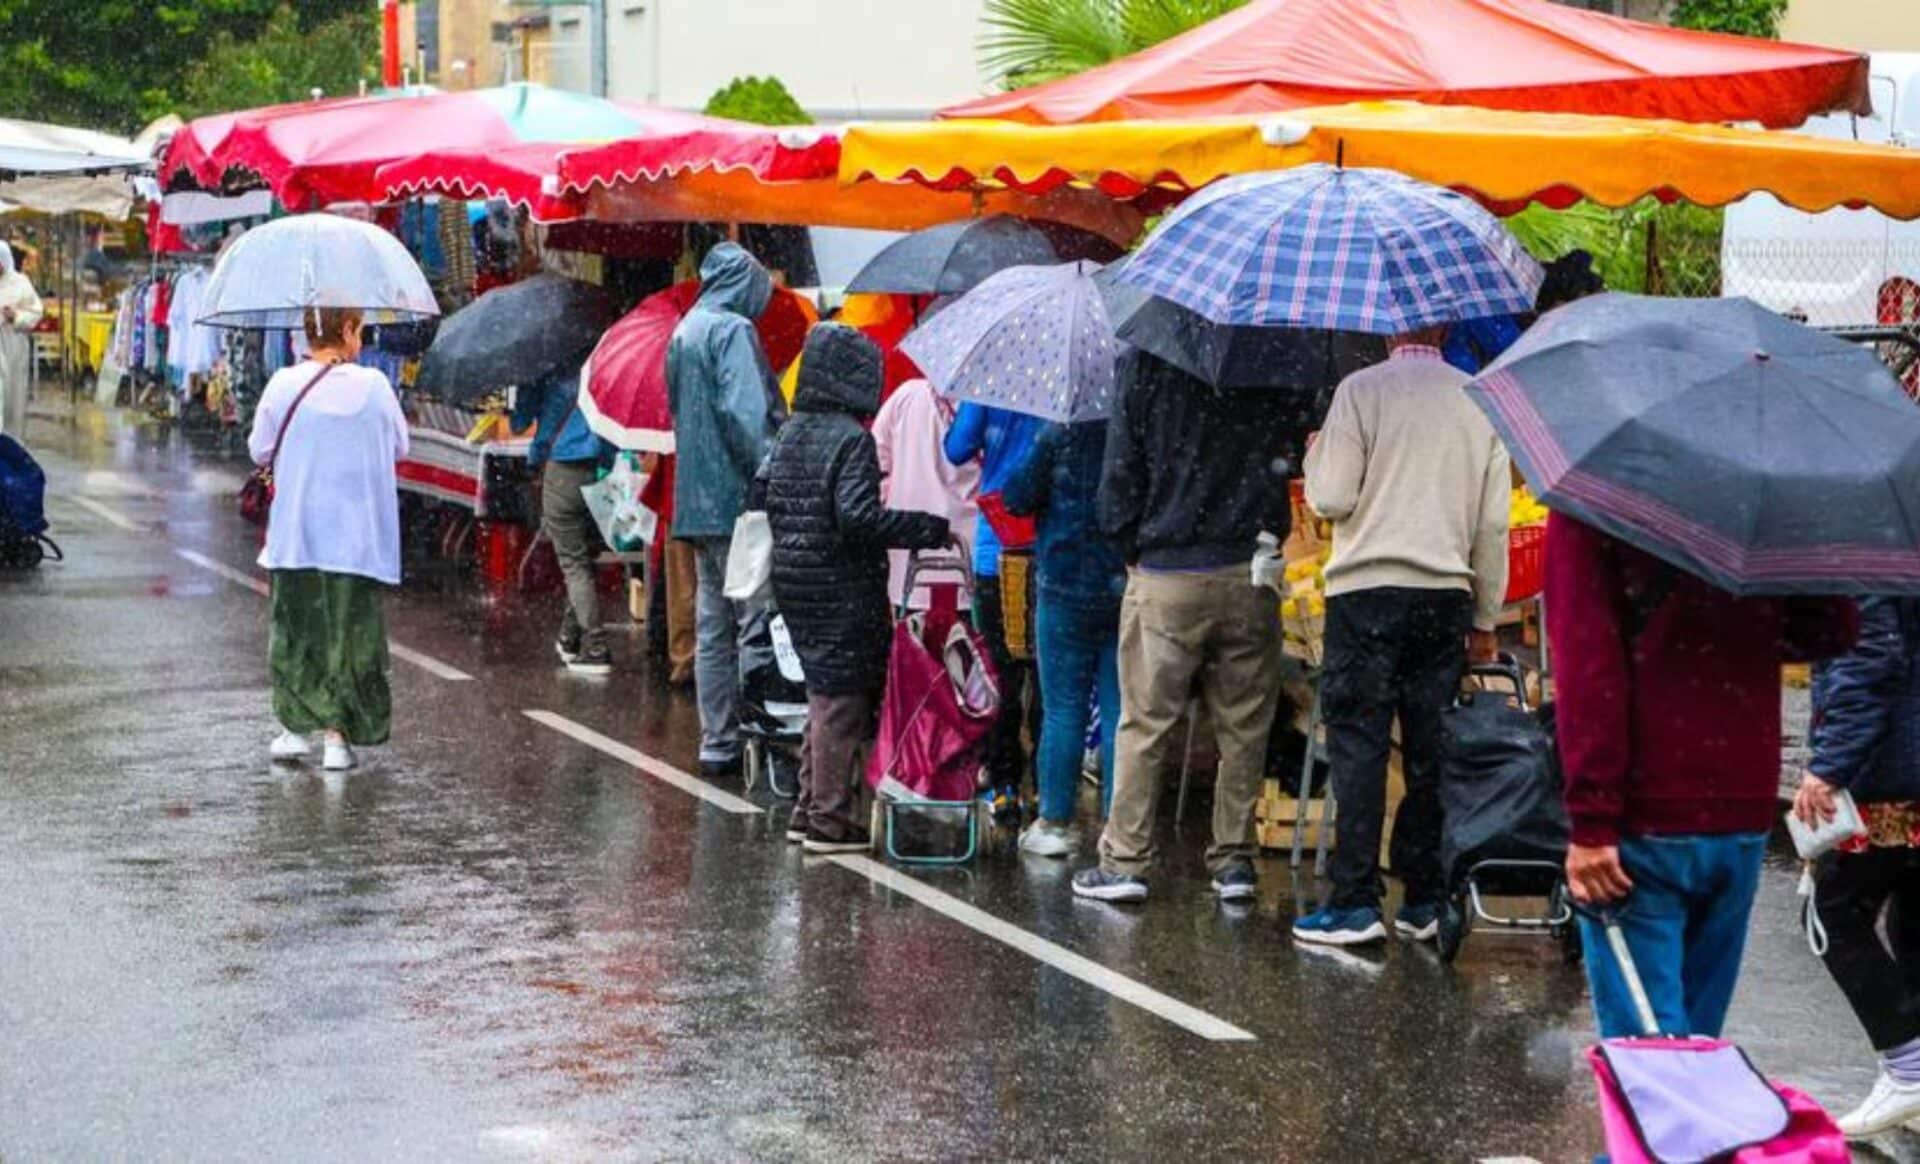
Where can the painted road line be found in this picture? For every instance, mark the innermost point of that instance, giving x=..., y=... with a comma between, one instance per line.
x=658, y=769
x=237, y=577
x=428, y=663
x=1041, y=950
x=255, y=583
x=106, y=513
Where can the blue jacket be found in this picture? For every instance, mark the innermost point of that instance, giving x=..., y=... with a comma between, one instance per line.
x=1060, y=485
x=725, y=401
x=564, y=434
x=1001, y=439
x=1866, y=707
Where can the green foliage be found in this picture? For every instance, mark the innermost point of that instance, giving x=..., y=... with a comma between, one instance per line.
x=1686, y=241
x=1746, y=17
x=1031, y=41
x=760, y=100
x=117, y=64
x=283, y=63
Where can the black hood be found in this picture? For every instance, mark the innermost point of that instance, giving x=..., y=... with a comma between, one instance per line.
x=841, y=370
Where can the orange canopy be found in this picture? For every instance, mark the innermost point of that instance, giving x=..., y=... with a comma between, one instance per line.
x=1275, y=55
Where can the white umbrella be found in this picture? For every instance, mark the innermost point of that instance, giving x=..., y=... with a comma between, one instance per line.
x=274, y=275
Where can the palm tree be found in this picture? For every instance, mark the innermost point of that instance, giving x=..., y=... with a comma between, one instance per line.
x=1031, y=41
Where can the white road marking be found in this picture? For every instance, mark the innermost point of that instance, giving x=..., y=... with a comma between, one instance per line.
x=658, y=769
x=1038, y=948
x=112, y=481
x=255, y=583
x=428, y=663
x=106, y=513
x=237, y=577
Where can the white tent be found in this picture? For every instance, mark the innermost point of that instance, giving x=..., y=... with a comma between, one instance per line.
x=57, y=170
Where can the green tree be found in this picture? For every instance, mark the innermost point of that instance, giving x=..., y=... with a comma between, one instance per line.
x=760, y=100
x=117, y=64
x=1031, y=41
x=1746, y=17
x=284, y=62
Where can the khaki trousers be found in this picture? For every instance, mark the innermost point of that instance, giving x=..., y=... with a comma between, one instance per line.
x=677, y=558
x=1218, y=629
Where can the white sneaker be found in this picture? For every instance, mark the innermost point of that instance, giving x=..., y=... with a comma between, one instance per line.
x=288, y=747
x=339, y=757
x=1046, y=840
x=1887, y=1106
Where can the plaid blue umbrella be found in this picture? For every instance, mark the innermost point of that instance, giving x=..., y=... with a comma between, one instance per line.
x=1035, y=340
x=1335, y=249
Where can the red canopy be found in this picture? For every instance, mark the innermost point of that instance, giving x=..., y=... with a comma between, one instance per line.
x=489, y=142
x=666, y=143
x=1533, y=55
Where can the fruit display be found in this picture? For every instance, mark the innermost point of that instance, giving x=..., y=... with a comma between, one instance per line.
x=1303, y=608
x=1523, y=510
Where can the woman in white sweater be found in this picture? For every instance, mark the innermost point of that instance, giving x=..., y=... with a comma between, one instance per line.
x=333, y=541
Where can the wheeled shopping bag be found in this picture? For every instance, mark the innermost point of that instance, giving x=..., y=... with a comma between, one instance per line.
x=1504, y=830
x=942, y=697
x=24, y=543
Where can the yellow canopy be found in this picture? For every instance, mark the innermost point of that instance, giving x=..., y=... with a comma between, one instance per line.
x=1503, y=157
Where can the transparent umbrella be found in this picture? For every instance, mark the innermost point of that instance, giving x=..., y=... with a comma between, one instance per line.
x=274, y=275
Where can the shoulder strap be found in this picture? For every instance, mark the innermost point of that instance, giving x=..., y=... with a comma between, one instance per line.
x=274, y=461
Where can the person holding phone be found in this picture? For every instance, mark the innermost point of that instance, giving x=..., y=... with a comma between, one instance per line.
x=1866, y=745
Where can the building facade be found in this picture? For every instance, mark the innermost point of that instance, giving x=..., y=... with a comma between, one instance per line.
x=1863, y=25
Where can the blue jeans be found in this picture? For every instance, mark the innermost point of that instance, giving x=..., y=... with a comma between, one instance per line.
x=1686, y=927
x=1077, y=644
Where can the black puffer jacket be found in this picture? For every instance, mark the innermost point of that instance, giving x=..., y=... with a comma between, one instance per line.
x=821, y=490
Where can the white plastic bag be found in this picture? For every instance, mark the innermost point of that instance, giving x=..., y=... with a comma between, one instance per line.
x=750, y=559
x=614, y=501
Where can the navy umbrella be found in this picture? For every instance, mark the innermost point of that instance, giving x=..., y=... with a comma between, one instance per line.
x=1754, y=452
x=518, y=334
x=955, y=257
x=1233, y=356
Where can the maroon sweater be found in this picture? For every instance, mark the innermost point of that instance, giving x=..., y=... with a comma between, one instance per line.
x=1678, y=732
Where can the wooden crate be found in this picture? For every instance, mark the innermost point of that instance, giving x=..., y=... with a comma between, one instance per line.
x=1274, y=813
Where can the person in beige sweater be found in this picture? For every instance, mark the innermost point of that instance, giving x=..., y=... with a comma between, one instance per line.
x=1416, y=484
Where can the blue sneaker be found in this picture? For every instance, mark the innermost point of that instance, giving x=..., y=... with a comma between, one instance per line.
x=1340, y=927
x=1421, y=923
x=1101, y=885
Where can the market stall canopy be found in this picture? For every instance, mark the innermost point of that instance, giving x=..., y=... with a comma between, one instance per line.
x=659, y=144
x=1503, y=158
x=323, y=152
x=54, y=169
x=665, y=181
x=1275, y=55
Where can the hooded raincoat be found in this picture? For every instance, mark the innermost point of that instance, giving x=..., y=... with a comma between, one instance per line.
x=17, y=297
x=724, y=398
x=831, y=532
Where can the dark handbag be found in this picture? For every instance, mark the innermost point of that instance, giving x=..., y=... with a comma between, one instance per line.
x=256, y=494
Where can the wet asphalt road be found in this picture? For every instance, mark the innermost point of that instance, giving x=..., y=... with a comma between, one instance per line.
x=493, y=941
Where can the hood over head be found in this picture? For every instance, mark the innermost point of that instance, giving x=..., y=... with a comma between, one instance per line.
x=841, y=370
x=733, y=280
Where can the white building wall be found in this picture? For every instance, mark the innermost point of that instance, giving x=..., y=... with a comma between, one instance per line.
x=841, y=59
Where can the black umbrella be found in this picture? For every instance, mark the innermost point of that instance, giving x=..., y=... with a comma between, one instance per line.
x=1227, y=356
x=1744, y=448
x=953, y=258
x=515, y=335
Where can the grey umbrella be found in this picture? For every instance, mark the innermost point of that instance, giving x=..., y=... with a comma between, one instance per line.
x=1030, y=339
x=955, y=256
x=518, y=334
x=1759, y=454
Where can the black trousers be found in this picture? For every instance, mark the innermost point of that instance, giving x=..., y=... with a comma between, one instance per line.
x=1390, y=652
x=1006, y=753
x=1880, y=979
